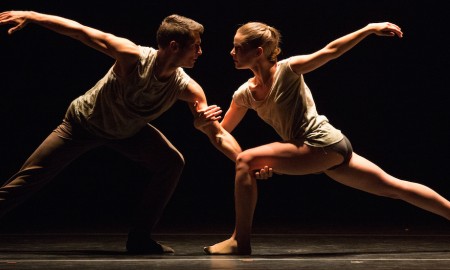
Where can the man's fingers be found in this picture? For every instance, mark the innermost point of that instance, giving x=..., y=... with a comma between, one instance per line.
x=264, y=173
x=268, y=171
x=261, y=174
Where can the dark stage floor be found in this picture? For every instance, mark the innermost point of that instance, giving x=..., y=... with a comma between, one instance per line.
x=422, y=250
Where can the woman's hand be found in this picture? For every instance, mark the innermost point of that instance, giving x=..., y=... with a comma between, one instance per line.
x=386, y=29
x=207, y=116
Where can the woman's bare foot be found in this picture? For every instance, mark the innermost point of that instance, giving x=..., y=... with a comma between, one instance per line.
x=228, y=247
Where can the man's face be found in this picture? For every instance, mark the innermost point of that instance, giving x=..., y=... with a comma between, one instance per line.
x=190, y=53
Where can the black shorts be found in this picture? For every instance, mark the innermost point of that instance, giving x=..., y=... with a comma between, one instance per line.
x=343, y=147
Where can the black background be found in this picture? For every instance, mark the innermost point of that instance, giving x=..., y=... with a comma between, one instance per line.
x=388, y=95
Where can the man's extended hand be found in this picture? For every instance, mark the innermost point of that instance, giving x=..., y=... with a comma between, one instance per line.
x=264, y=173
x=16, y=18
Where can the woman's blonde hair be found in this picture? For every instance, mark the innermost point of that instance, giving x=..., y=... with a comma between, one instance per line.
x=258, y=34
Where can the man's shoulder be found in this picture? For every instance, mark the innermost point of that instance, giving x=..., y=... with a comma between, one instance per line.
x=147, y=51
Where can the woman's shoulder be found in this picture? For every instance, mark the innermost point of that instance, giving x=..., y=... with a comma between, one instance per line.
x=243, y=87
x=284, y=63
x=284, y=67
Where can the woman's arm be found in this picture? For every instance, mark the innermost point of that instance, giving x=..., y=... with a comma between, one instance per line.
x=302, y=64
x=218, y=136
x=233, y=116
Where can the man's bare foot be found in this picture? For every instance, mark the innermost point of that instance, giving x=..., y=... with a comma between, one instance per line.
x=227, y=247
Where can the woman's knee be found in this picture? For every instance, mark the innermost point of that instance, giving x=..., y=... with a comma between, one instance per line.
x=244, y=177
x=392, y=190
x=243, y=161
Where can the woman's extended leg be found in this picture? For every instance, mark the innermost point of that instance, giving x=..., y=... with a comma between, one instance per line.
x=362, y=174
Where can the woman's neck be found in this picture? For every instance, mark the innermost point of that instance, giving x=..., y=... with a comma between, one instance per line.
x=264, y=75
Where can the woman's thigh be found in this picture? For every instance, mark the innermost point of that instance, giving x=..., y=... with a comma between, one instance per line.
x=363, y=174
x=290, y=157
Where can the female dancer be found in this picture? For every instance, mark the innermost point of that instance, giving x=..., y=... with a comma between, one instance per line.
x=310, y=144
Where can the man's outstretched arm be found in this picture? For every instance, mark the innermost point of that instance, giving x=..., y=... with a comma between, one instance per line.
x=124, y=51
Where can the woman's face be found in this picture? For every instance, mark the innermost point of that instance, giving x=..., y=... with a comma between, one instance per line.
x=243, y=55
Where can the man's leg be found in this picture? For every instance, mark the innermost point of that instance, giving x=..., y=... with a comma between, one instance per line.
x=54, y=154
x=152, y=150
